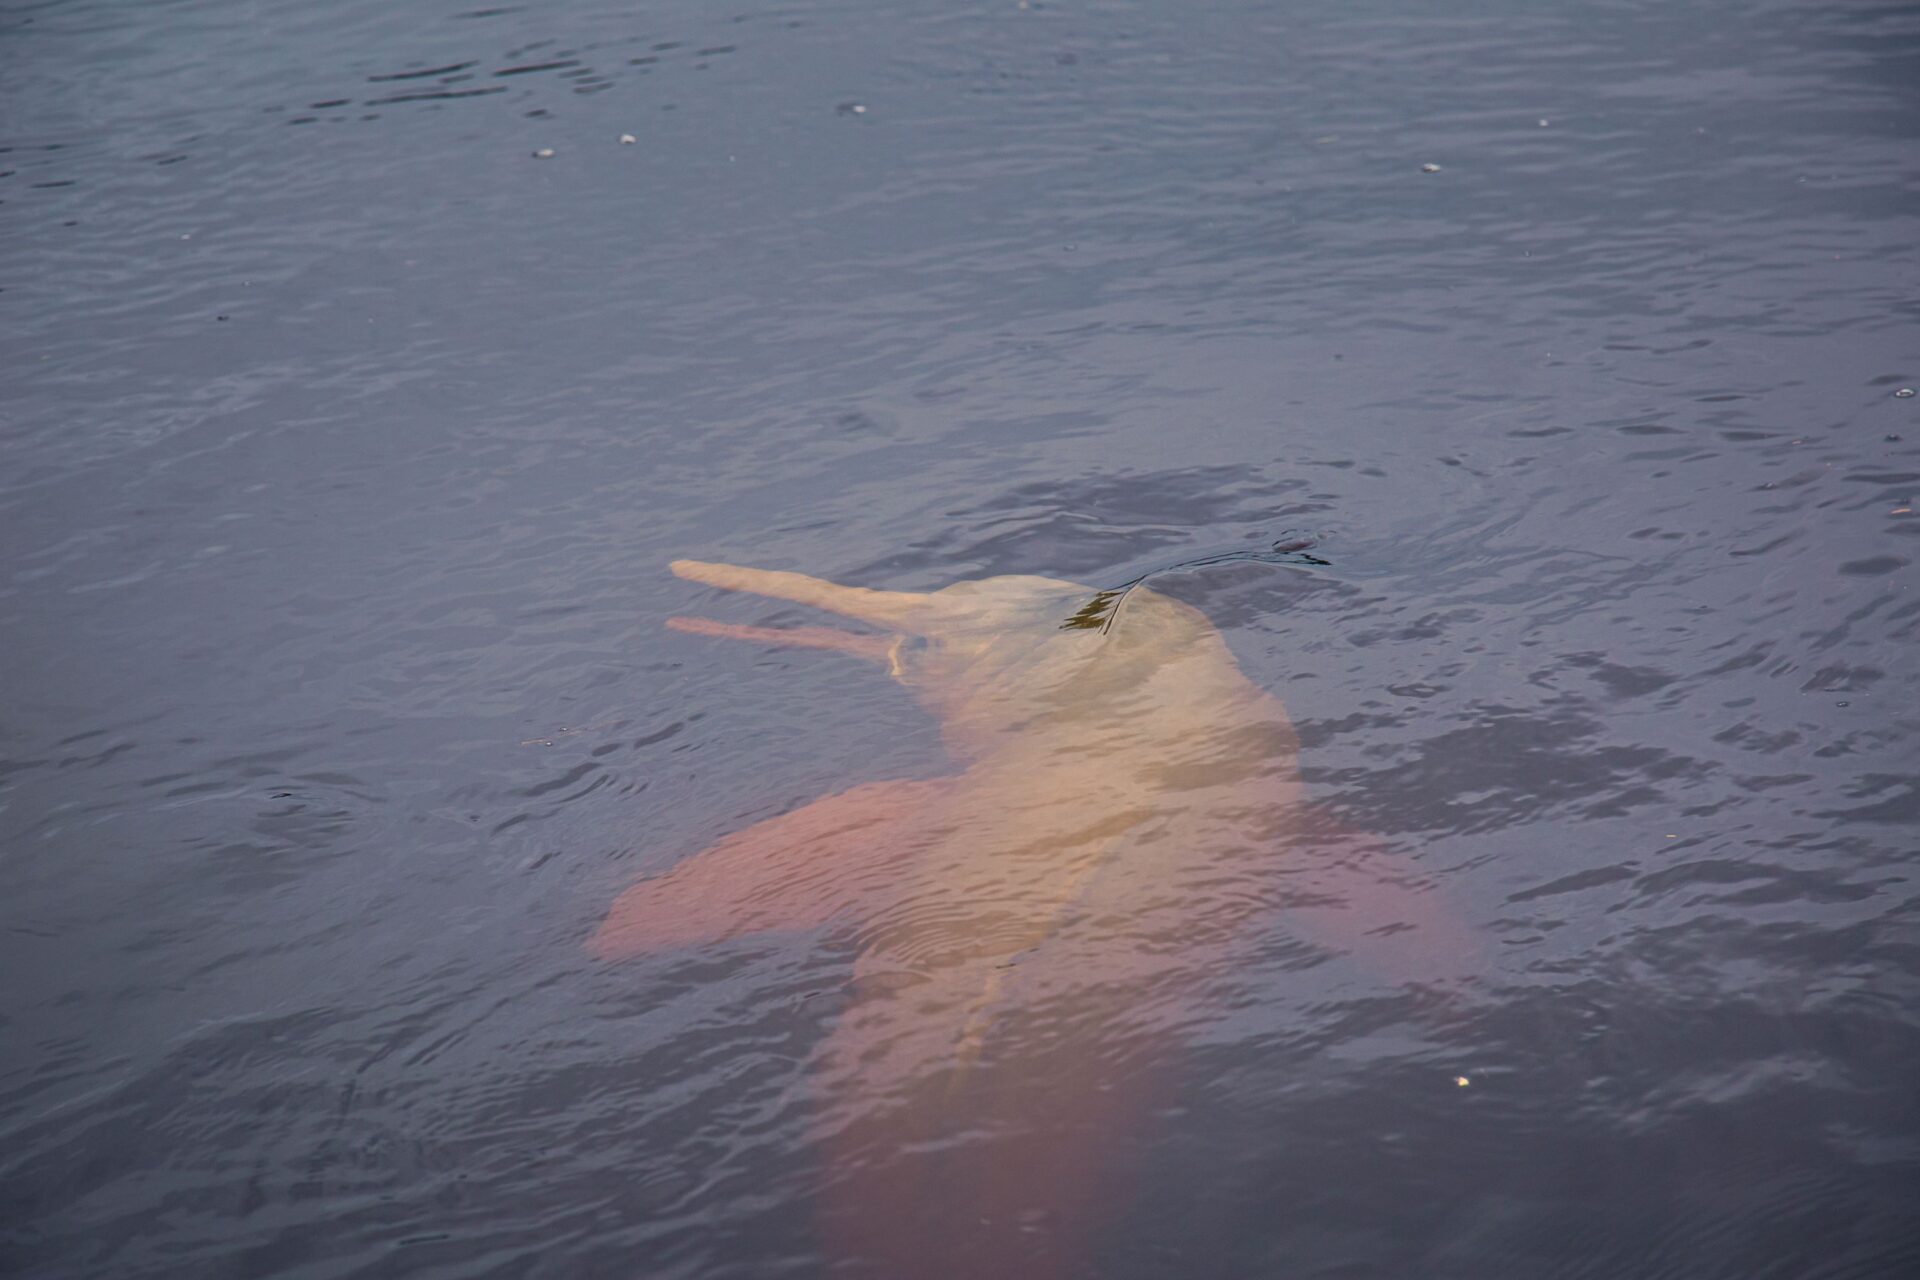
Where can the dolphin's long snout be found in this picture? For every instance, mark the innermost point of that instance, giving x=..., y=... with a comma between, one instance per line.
x=898, y=610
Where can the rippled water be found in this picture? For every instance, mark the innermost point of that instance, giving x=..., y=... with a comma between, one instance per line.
x=347, y=436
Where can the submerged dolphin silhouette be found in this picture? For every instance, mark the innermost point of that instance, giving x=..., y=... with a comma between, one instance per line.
x=1033, y=929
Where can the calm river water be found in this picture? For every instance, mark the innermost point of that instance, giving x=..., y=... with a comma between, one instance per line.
x=367, y=363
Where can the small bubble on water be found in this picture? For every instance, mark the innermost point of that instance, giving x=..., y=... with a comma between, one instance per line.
x=1904, y=393
x=627, y=139
x=1434, y=168
x=544, y=153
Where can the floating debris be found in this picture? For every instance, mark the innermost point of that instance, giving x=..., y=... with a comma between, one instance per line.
x=562, y=731
x=544, y=153
x=1429, y=168
x=1904, y=393
x=627, y=139
x=1461, y=1082
x=852, y=108
x=1098, y=614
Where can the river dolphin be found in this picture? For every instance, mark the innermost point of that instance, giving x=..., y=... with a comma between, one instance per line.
x=1035, y=930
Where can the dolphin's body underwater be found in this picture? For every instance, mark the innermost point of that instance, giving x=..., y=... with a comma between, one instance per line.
x=1034, y=931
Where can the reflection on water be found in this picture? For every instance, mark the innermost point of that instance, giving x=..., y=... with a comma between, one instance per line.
x=344, y=438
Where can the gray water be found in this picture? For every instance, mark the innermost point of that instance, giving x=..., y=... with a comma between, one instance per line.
x=347, y=436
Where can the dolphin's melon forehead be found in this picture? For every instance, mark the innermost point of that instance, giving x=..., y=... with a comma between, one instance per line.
x=1011, y=603
x=1013, y=586
x=1009, y=592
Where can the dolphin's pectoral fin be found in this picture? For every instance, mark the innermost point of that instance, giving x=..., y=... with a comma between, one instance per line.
x=1352, y=895
x=792, y=872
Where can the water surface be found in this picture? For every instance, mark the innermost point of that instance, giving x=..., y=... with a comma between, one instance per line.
x=347, y=436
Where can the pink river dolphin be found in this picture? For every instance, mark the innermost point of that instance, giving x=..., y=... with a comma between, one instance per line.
x=1036, y=930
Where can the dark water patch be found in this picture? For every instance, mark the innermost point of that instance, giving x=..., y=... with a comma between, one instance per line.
x=1901, y=807
x=422, y=74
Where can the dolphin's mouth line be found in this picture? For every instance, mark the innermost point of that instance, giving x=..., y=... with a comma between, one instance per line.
x=1099, y=613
